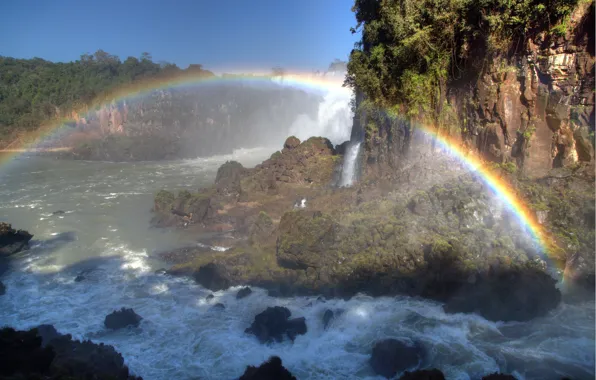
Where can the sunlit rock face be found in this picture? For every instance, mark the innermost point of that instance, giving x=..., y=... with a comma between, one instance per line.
x=535, y=109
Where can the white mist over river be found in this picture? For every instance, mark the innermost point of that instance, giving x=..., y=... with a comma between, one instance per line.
x=105, y=232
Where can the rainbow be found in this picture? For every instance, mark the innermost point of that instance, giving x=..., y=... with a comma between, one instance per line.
x=501, y=188
x=308, y=81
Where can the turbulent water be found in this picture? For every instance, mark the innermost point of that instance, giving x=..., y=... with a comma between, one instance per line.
x=334, y=119
x=105, y=234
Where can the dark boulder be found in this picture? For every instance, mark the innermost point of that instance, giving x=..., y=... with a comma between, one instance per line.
x=122, y=318
x=43, y=353
x=423, y=374
x=79, y=278
x=47, y=333
x=274, y=323
x=391, y=356
x=218, y=306
x=327, y=318
x=291, y=142
x=213, y=276
x=244, y=292
x=511, y=295
x=210, y=297
x=272, y=369
x=58, y=212
x=498, y=376
x=12, y=241
x=227, y=180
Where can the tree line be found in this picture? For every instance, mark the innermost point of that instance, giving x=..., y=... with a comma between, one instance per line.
x=35, y=90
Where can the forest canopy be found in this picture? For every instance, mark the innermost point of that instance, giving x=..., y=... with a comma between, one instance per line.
x=410, y=49
x=35, y=90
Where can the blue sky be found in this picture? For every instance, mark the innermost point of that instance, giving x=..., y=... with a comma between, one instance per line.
x=220, y=34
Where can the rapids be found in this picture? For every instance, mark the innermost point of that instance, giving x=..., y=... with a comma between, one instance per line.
x=104, y=234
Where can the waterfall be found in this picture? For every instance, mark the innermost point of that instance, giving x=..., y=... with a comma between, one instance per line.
x=348, y=173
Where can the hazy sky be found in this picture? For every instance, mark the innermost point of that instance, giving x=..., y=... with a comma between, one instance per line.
x=220, y=34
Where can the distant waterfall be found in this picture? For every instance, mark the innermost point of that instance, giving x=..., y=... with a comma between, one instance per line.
x=348, y=173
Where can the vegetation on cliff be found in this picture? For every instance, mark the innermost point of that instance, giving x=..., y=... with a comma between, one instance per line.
x=35, y=90
x=410, y=49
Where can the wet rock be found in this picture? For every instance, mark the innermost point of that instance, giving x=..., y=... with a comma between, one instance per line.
x=45, y=353
x=513, y=295
x=391, y=356
x=218, y=306
x=79, y=278
x=12, y=241
x=295, y=327
x=213, y=276
x=274, y=323
x=47, y=333
x=327, y=318
x=244, y=292
x=498, y=376
x=2, y=289
x=122, y=318
x=210, y=297
x=161, y=271
x=423, y=374
x=58, y=212
x=272, y=369
x=291, y=142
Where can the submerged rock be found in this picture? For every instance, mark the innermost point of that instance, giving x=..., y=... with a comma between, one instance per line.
x=423, y=374
x=12, y=241
x=272, y=369
x=244, y=292
x=58, y=212
x=79, y=278
x=218, y=306
x=327, y=318
x=2, y=289
x=122, y=318
x=499, y=376
x=391, y=356
x=209, y=297
x=274, y=323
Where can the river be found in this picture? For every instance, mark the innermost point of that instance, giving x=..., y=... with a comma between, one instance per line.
x=105, y=234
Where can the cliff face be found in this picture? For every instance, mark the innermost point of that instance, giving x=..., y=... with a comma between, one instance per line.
x=188, y=122
x=534, y=108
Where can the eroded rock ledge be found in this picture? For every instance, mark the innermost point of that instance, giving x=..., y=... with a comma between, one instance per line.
x=428, y=231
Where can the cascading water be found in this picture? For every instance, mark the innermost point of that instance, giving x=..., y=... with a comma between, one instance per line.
x=348, y=173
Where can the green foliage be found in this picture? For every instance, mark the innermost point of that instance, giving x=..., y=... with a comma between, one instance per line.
x=410, y=49
x=35, y=90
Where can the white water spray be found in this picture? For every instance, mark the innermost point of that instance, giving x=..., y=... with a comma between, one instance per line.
x=334, y=119
x=348, y=173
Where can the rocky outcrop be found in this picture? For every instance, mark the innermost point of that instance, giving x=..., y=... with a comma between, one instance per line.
x=122, y=318
x=243, y=293
x=273, y=324
x=12, y=241
x=272, y=369
x=392, y=356
x=48, y=354
x=228, y=204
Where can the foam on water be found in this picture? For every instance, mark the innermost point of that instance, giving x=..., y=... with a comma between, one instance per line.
x=182, y=337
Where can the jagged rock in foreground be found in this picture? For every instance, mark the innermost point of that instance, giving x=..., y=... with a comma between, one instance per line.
x=274, y=324
x=272, y=369
x=122, y=318
x=12, y=241
x=32, y=355
x=392, y=356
